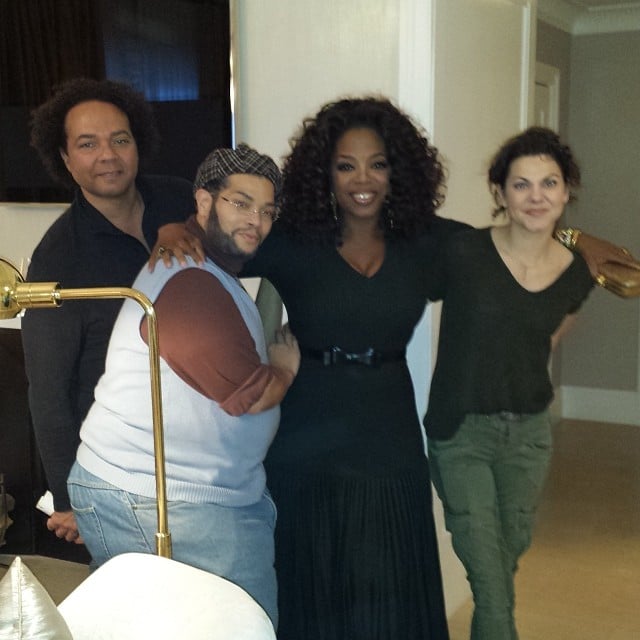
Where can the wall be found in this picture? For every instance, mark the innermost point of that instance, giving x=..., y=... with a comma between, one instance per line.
x=482, y=83
x=601, y=356
x=596, y=370
x=292, y=57
x=21, y=227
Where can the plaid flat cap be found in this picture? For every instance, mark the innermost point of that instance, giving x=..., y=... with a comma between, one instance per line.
x=224, y=162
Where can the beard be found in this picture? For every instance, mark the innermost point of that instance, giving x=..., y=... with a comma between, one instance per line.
x=222, y=242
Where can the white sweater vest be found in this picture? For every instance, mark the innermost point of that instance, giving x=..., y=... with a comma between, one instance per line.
x=210, y=455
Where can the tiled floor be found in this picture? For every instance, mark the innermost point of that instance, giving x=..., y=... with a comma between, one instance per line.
x=581, y=578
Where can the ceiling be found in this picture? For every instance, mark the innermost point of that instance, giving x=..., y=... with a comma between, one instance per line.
x=591, y=16
x=596, y=5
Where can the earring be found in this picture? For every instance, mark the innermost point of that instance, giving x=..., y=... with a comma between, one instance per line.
x=334, y=206
x=389, y=212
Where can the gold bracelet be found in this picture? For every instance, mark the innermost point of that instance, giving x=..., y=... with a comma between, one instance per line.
x=568, y=237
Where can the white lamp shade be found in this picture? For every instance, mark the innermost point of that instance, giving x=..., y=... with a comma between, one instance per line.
x=139, y=596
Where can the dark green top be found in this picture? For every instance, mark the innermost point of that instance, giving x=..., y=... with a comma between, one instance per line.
x=495, y=336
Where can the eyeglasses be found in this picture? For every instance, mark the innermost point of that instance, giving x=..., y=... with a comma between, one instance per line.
x=242, y=205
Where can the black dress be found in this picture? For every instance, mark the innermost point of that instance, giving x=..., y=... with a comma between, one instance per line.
x=356, y=548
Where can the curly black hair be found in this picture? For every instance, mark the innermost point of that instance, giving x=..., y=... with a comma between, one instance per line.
x=48, y=134
x=534, y=141
x=416, y=180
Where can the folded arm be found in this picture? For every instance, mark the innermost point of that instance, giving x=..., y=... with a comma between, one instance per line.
x=205, y=340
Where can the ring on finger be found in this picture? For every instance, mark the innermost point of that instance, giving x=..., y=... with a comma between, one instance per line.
x=161, y=250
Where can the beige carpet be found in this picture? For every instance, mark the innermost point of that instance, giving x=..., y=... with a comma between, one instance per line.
x=58, y=577
x=581, y=578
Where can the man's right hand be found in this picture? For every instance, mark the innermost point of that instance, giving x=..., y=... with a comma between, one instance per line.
x=175, y=241
x=63, y=524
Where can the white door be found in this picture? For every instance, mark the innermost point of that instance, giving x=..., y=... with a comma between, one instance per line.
x=483, y=72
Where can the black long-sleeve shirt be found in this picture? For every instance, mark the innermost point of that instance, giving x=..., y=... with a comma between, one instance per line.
x=65, y=348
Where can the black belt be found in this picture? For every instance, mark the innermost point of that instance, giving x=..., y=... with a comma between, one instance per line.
x=335, y=355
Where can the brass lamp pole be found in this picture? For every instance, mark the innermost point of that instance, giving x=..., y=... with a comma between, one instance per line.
x=16, y=295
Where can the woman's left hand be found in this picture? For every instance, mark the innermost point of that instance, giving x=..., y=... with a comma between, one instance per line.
x=175, y=241
x=596, y=252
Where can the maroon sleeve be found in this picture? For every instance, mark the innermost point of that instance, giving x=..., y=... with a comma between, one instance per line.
x=203, y=337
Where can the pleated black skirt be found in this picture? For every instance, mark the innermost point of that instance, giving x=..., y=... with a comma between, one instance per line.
x=357, y=558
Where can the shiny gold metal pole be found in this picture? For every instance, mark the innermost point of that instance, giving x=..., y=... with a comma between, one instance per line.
x=16, y=295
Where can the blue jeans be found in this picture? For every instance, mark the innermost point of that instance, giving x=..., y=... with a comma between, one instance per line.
x=489, y=477
x=235, y=543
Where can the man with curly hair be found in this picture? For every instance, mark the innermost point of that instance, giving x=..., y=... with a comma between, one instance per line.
x=91, y=136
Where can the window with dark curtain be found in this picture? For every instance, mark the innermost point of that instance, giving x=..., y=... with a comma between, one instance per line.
x=176, y=52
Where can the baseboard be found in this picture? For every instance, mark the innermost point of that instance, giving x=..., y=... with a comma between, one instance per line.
x=601, y=405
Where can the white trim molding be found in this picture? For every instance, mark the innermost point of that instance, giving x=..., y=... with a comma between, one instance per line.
x=549, y=76
x=528, y=64
x=602, y=405
x=416, y=65
x=578, y=20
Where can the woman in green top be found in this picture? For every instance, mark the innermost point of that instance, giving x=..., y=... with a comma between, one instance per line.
x=509, y=292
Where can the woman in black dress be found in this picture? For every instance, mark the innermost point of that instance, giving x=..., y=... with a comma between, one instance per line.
x=357, y=553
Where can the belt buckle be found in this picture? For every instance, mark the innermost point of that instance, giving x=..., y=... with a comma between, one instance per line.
x=332, y=356
x=335, y=355
x=509, y=416
x=370, y=358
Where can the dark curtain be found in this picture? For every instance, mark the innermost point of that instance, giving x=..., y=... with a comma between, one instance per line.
x=170, y=50
x=215, y=45
x=161, y=47
x=44, y=42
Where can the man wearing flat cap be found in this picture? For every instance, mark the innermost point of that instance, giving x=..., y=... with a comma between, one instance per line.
x=221, y=390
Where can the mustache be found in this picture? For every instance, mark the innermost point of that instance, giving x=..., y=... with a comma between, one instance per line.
x=251, y=230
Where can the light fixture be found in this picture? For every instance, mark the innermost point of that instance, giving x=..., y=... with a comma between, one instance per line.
x=16, y=295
